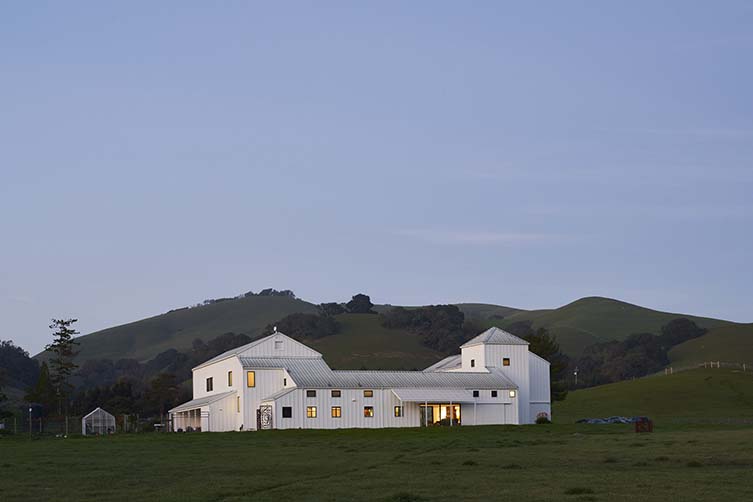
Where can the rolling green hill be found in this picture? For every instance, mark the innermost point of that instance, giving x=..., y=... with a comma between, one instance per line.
x=177, y=329
x=729, y=343
x=595, y=319
x=364, y=343
x=695, y=396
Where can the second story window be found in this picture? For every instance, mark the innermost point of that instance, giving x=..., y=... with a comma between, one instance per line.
x=229, y=378
x=250, y=379
x=310, y=393
x=368, y=393
x=506, y=361
x=475, y=393
x=336, y=393
x=473, y=363
x=494, y=393
x=210, y=384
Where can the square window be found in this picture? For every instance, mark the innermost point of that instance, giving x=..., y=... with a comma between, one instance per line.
x=368, y=411
x=210, y=384
x=336, y=412
x=368, y=393
x=287, y=412
x=278, y=344
x=310, y=393
x=506, y=361
x=336, y=393
x=475, y=393
x=512, y=393
x=398, y=411
x=250, y=379
x=310, y=411
x=494, y=393
x=473, y=363
x=229, y=378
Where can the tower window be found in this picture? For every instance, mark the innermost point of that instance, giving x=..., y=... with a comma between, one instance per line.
x=506, y=361
x=494, y=393
x=473, y=363
x=229, y=378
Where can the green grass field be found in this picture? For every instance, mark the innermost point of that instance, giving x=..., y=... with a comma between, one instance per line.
x=543, y=462
x=719, y=396
x=730, y=343
x=702, y=449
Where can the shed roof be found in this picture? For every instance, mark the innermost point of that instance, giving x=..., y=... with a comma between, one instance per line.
x=494, y=336
x=446, y=363
x=434, y=395
x=202, y=401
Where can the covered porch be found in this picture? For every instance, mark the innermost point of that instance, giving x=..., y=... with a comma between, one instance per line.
x=438, y=407
x=195, y=415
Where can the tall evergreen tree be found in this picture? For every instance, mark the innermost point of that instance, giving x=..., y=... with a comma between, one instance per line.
x=61, y=362
x=43, y=392
x=545, y=345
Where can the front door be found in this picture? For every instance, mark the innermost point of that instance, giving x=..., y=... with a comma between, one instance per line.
x=264, y=417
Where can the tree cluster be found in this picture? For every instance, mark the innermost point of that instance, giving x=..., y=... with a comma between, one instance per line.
x=305, y=326
x=441, y=327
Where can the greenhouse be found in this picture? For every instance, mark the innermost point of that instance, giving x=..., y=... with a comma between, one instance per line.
x=97, y=422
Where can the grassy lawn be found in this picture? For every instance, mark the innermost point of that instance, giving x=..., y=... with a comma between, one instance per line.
x=542, y=462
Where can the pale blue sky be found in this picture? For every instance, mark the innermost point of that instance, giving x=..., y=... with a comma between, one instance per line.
x=423, y=152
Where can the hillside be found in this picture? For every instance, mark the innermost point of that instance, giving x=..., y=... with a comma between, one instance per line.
x=696, y=396
x=729, y=343
x=595, y=319
x=146, y=338
x=364, y=343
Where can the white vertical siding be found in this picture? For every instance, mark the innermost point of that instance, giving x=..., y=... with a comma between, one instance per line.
x=267, y=382
x=475, y=353
x=540, y=398
x=518, y=372
x=218, y=371
x=287, y=348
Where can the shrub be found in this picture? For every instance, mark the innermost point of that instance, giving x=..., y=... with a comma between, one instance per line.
x=543, y=420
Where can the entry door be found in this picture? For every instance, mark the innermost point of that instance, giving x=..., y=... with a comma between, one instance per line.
x=264, y=417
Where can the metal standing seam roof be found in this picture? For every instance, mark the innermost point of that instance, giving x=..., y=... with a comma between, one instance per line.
x=495, y=336
x=434, y=395
x=202, y=401
x=314, y=373
x=243, y=348
x=446, y=363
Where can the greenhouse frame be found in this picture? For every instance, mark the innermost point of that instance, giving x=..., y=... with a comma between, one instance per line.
x=98, y=422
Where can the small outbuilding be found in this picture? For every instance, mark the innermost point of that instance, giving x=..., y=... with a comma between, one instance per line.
x=98, y=422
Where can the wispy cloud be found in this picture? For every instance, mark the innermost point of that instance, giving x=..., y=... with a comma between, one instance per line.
x=478, y=238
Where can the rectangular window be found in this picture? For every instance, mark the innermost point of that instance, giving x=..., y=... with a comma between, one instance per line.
x=368, y=411
x=475, y=393
x=238, y=404
x=287, y=412
x=398, y=411
x=210, y=384
x=336, y=393
x=310, y=393
x=494, y=393
x=278, y=344
x=336, y=412
x=512, y=393
x=473, y=363
x=310, y=411
x=250, y=379
x=284, y=382
x=229, y=378
x=368, y=393
x=506, y=361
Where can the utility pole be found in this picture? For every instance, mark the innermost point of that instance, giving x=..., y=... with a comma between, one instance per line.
x=576, y=376
x=29, y=422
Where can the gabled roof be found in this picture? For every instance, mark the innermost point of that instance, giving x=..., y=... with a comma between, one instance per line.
x=97, y=411
x=243, y=348
x=446, y=363
x=494, y=336
x=202, y=401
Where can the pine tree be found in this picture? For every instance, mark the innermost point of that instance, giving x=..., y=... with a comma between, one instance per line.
x=61, y=362
x=43, y=393
x=545, y=345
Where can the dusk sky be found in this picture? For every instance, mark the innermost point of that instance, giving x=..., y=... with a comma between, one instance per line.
x=523, y=154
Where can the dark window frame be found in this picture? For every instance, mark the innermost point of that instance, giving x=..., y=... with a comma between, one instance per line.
x=311, y=412
x=337, y=414
x=505, y=361
x=368, y=393
x=287, y=412
x=310, y=393
x=473, y=363
x=475, y=393
x=398, y=411
x=366, y=413
x=336, y=393
x=210, y=384
x=494, y=393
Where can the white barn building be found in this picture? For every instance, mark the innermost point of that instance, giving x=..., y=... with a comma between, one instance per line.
x=279, y=383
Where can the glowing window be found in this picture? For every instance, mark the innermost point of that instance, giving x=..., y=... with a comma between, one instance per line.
x=473, y=363
x=238, y=404
x=336, y=412
x=336, y=393
x=210, y=384
x=475, y=393
x=368, y=393
x=494, y=393
x=250, y=379
x=512, y=393
x=368, y=411
x=229, y=378
x=398, y=411
x=310, y=393
x=506, y=361
x=287, y=412
x=310, y=411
